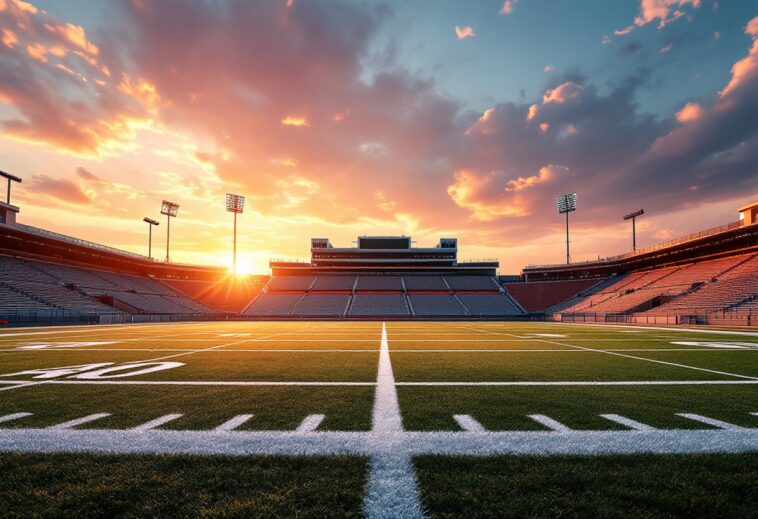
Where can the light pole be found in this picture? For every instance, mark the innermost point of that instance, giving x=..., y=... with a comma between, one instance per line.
x=150, y=225
x=170, y=209
x=633, y=217
x=566, y=204
x=235, y=204
x=11, y=178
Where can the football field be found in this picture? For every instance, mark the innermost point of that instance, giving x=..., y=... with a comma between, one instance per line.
x=395, y=419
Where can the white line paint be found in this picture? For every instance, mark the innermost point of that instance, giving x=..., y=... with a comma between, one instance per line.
x=467, y=423
x=670, y=329
x=709, y=421
x=161, y=420
x=235, y=422
x=325, y=443
x=392, y=485
x=310, y=423
x=627, y=422
x=13, y=416
x=548, y=422
x=754, y=414
x=80, y=421
x=307, y=383
x=404, y=350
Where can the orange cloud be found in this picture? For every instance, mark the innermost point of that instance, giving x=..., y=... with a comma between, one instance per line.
x=747, y=66
x=666, y=11
x=561, y=93
x=464, y=32
x=294, y=121
x=544, y=175
x=37, y=51
x=508, y=6
x=690, y=112
x=544, y=127
x=9, y=38
x=533, y=109
x=74, y=34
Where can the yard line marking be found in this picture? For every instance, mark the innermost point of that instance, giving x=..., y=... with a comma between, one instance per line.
x=191, y=383
x=80, y=421
x=627, y=422
x=392, y=485
x=373, y=350
x=17, y=385
x=397, y=448
x=548, y=422
x=14, y=416
x=695, y=330
x=235, y=422
x=310, y=423
x=709, y=421
x=754, y=414
x=676, y=364
x=152, y=424
x=467, y=423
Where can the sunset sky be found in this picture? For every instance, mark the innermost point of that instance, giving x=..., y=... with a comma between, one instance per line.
x=335, y=118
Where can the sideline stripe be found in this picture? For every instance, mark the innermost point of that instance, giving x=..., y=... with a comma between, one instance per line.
x=161, y=420
x=392, y=485
x=80, y=421
x=467, y=423
x=14, y=416
x=310, y=423
x=671, y=329
x=15, y=384
x=627, y=422
x=548, y=422
x=380, y=445
x=709, y=421
x=235, y=422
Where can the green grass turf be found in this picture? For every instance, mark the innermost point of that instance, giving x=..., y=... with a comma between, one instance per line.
x=89, y=486
x=275, y=408
x=740, y=362
x=534, y=366
x=506, y=408
x=645, y=486
x=212, y=365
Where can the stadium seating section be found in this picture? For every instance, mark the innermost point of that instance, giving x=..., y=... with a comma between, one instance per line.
x=718, y=285
x=540, y=295
x=379, y=295
x=35, y=285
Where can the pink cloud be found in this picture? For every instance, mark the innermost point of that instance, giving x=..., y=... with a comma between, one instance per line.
x=690, y=112
x=463, y=32
x=746, y=68
x=562, y=93
x=508, y=7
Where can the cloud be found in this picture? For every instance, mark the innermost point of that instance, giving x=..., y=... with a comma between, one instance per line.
x=545, y=174
x=548, y=69
x=464, y=32
x=746, y=69
x=60, y=189
x=294, y=121
x=689, y=112
x=508, y=7
x=562, y=93
x=664, y=11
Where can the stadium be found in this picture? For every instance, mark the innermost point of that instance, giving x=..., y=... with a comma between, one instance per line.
x=318, y=339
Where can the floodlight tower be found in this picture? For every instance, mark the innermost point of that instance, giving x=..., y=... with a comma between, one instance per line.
x=566, y=204
x=170, y=209
x=150, y=225
x=235, y=204
x=11, y=178
x=633, y=217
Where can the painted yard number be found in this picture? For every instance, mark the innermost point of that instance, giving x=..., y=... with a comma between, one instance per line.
x=100, y=371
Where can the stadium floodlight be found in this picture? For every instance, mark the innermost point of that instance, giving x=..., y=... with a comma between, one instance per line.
x=150, y=223
x=566, y=204
x=11, y=178
x=235, y=204
x=170, y=209
x=633, y=217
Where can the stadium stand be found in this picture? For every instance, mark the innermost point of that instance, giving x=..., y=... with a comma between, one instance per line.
x=383, y=277
x=540, y=295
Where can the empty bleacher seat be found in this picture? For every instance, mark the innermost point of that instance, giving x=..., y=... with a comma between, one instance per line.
x=424, y=283
x=334, y=283
x=290, y=283
x=378, y=305
x=436, y=305
x=272, y=304
x=321, y=305
x=488, y=305
x=380, y=283
x=472, y=283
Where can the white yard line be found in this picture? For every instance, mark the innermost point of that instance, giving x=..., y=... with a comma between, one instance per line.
x=13, y=416
x=392, y=486
x=627, y=422
x=655, y=361
x=467, y=423
x=553, y=425
x=310, y=423
x=235, y=422
x=374, y=350
x=667, y=329
x=80, y=421
x=402, y=446
x=709, y=421
x=161, y=420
